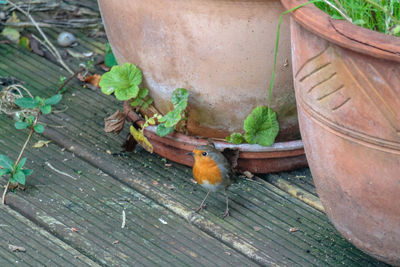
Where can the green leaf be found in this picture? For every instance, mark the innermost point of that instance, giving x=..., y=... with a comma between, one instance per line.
x=123, y=81
x=143, y=92
x=396, y=30
x=30, y=119
x=24, y=42
x=172, y=118
x=18, y=177
x=11, y=33
x=46, y=109
x=6, y=162
x=3, y=2
x=27, y=172
x=39, y=128
x=137, y=102
x=5, y=171
x=26, y=102
x=236, y=138
x=21, y=163
x=147, y=103
x=261, y=126
x=109, y=60
x=19, y=125
x=55, y=99
x=164, y=131
x=179, y=98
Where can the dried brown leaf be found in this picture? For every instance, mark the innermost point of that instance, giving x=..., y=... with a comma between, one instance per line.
x=248, y=174
x=41, y=143
x=129, y=144
x=115, y=123
x=93, y=79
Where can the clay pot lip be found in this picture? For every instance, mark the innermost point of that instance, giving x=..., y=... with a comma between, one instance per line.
x=221, y=145
x=344, y=33
x=189, y=142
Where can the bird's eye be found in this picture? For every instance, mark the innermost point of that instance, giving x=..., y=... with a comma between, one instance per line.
x=204, y=154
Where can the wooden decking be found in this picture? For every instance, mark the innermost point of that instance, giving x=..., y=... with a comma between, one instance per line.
x=71, y=211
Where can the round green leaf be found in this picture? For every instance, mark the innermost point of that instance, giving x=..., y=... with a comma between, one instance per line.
x=46, y=109
x=39, y=128
x=122, y=80
x=19, y=125
x=261, y=126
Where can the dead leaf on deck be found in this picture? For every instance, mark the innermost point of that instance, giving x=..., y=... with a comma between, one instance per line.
x=141, y=139
x=248, y=174
x=115, y=123
x=129, y=143
x=41, y=143
x=256, y=228
x=293, y=229
x=93, y=79
x=16, y=248
x=35, y=46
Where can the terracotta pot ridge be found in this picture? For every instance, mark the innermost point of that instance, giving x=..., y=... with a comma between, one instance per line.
x=344, y=33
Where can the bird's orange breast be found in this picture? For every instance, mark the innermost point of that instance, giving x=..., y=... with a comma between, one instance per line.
x=206, y=169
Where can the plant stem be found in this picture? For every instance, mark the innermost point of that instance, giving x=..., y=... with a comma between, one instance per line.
x=271, y=85
x=69, y=79
x=3, y=199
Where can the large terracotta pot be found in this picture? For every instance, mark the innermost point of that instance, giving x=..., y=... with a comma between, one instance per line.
x=222, y=52
x=347, y=82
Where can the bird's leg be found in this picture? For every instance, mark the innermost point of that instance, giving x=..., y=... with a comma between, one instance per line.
x=226, y=213
x=202, y=205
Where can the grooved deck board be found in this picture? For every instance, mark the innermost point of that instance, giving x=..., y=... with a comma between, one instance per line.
x=42, y=249
x=261, y=213
x=93, y=205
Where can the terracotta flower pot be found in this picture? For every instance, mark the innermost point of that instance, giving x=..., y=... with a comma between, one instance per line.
x=347, y=82
x=221, y=51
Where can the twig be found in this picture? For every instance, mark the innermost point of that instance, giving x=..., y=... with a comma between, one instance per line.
x=53, y=49
x=60, y=172
x=69, y=79
x=3, y=199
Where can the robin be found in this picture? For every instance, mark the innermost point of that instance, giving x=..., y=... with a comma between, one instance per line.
x=213, y=171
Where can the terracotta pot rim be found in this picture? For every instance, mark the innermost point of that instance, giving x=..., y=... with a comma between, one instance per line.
x=194, y=141
x=344, y=33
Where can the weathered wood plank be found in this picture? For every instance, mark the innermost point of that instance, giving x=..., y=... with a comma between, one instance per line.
x=93, y=206
x=42, y=249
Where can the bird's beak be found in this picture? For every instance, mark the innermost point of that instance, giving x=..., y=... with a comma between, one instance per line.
x=190, y=153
